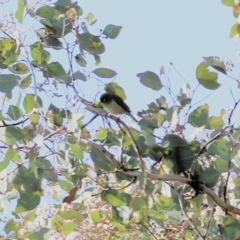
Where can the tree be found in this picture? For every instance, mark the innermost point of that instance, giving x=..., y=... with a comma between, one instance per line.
x=70, y=170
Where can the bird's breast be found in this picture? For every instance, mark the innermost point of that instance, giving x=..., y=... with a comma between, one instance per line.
x=114, y=108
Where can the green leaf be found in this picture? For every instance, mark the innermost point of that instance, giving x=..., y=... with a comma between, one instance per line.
x=19, y=68
x=9, y=52
x=71, y=214
x=79, y=75
x=116, y=198
x=11, y=226
x=26, y=82
x=55, y=69
x=116, y=89
x=13, y=135
x=104, y=73
x=220, y=148
x=209, y=177
x=31, y=101
x=214, y=122
x=180, y=155
x=13, y=155
x=149, y=138
x=65, y=185
x=39, y=234
x=102, y=134
x=27, y=202
x=230, y=228
x=14, y=112
x=91, y=43
x=229, y=3
x=101, y=160
x=56, y=223
x=45, y=169
x=47, y=12
x=60, y=27
x=39, y=55
x=4, y=164
x=80, y=60
x=112, y=31
x=139, y=203
x=77, y=151
x=20, y=10
x=8, y=82
x=205, y=78
x=216, y=63
x=199, y=116
x=150, y=80
x=235, y=30
x=90, y=17
x=172, y=115
x=50, y=41
x=97, y=60
x=96, y=216
x=68, y=227
x=34, y=118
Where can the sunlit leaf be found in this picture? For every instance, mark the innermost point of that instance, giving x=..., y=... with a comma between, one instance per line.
x=26, y=82
x=68, y=227
x=96, y=216
x=77, y=151
x=20, y=10
x=214, y=122
x=235, y=30
x=116, y=198
x=19, y=68
x=9, y=52
x=39, y=55
x=91, y=43
x=31, y=101
x=116, y=89
x=199, y=116
x=205, y=78
x=90, y=17
x=229, y=3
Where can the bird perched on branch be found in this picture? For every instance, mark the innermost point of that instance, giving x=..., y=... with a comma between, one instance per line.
x=115, y=105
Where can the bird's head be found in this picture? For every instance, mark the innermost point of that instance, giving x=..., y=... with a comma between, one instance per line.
x=106, y=98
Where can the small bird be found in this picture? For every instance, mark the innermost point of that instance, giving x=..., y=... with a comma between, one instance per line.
x=115, y=105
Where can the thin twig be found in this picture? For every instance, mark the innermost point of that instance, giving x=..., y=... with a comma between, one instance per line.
x=186, y=215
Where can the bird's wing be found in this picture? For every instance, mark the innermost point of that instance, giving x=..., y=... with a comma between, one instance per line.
x=120, y=102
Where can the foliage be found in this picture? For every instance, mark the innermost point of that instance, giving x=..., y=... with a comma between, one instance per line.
x=69, y=169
